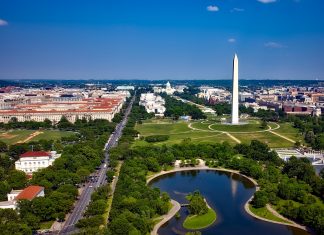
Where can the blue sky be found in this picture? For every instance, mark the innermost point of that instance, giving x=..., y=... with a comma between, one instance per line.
x=161, y=39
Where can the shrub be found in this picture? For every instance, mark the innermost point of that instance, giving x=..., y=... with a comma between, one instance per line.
x=156, y=138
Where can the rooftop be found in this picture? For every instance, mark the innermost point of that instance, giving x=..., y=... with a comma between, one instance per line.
x=30, y=192
x=35, y=154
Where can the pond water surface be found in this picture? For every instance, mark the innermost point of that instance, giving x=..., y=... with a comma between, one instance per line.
x=226, y=193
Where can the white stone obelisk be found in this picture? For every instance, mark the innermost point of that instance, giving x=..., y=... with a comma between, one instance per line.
x=235, y=93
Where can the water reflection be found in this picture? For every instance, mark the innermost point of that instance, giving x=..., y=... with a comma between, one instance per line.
x=226, y=193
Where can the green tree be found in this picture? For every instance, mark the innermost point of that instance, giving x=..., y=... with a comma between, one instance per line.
x=110, y=176
x=322, y=173
x=47, y=123
x=97, y=207
x=260, y=199
x=3, y=147
x=197, y=204
x=310, y=137
x=264, y=124
x=120, y=226
x=83, y=174
x=16, y=150
x=32, y=221
x=17, y=179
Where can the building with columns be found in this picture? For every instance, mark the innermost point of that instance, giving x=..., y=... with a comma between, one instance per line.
x=30, y=162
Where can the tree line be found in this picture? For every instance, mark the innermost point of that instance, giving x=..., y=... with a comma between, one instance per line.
x=312, y=129
x=176, y=108
x=222, y=108
x=81, y=154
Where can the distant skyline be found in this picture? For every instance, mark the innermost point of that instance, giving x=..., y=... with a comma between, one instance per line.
x=161, y=39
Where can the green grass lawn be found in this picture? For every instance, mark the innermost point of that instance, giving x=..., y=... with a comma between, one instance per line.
x=272, y=140
x=253, y=125
x=179, y=130
x=46, y=225
x=237, y=128
x=200, y=221
x=202, y=126
x=14, y=136
x=52, y=135
x=265, y=213
x=289, y=131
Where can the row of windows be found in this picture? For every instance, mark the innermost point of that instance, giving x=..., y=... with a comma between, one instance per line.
x=30, y=170
x=58, y=117
x=35, y=163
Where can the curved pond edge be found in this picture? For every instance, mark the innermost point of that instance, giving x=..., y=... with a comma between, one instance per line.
x=246, y=206
x=165, y=218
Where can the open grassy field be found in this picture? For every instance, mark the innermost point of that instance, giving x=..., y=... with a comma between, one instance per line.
x=21, y=136
x=178, y=131
x=289, y=131
x=52, y=135
x=211, y=131
x=272, y=140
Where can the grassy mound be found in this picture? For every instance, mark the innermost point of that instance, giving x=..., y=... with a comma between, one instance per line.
x=200, y=221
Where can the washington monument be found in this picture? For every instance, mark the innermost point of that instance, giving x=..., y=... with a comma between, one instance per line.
x=235, y=108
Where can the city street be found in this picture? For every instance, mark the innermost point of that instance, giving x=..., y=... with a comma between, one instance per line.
x=85, y=197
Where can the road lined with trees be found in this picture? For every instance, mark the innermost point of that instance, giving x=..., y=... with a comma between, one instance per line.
x=82, y=153
x=94, y=215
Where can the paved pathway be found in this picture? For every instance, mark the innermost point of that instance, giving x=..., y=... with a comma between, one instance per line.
x=290, y=222
x=175, y=208
x=284, y=137
x=233, y=138
x=31, y=136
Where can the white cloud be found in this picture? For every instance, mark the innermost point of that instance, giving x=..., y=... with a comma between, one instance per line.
x=266, y=1
x=3, y=22
x=237, y=9
x=212, y=8
x=231, y=40
x=273, y=45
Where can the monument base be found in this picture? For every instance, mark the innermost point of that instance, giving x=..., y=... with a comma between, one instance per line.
x=229, y=122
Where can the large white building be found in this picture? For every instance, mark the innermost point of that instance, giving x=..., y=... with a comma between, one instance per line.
x=169, y=89
x=217, y=94
x=125, y=88
x=153, y=103
x=30, y=162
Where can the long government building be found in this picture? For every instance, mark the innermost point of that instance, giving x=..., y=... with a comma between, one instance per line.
x=88, y=108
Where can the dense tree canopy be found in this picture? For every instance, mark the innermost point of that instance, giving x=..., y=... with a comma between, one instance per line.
x=311, y=127
x=176, y=108
x=80, y=156
x=197, y=204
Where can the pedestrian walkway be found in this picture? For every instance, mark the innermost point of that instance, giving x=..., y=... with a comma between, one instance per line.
x=175, y=208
